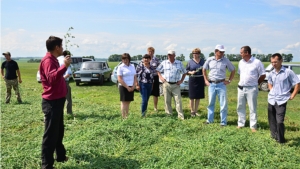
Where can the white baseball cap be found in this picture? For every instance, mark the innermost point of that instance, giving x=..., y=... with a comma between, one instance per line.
x=171, y=52
x=220, y=48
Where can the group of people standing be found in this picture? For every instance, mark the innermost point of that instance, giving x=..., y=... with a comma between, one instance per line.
x=55, y=71
x=171, y=73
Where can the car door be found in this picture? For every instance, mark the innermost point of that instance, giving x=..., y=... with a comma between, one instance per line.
x=106, y=70
x=296, y=70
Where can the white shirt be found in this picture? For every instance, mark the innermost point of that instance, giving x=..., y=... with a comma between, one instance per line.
x=62, y=62
x=127, y=73
x=250, y=71
x=172, y=72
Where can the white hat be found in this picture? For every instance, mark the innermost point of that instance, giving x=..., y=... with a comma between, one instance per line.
x=171, y=52
x=220, y=48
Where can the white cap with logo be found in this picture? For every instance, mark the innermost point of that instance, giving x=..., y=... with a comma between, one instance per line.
x=220, y=48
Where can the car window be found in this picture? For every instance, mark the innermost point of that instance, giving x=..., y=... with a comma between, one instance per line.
x=92, y=66
x=296, y=69
x=74, y=60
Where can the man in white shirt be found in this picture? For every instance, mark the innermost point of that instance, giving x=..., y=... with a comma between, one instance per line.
x=67, y=75
x=252, y=73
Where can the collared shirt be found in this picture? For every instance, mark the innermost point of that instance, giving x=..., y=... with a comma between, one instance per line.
x=282, y=83
x=217, y=68
x=194, y=66
x=51, y=73
x=145, y=75
x=250, y=71
x=154, y=63
x=62, y=62
x=172, y=72
x=127, y=73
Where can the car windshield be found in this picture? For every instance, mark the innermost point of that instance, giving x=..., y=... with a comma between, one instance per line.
x=91, y=66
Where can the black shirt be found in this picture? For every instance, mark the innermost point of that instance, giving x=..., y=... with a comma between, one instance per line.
x=10, y=67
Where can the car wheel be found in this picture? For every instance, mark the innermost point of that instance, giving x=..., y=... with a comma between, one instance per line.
x=109, y=79
x=161, y=89
x=77, y=83
x=264, y=86
x=101, y=81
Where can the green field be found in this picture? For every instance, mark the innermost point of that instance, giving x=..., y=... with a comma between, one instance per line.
x=98, y=138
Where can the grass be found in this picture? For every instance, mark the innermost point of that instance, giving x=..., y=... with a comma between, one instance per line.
x=98, y=138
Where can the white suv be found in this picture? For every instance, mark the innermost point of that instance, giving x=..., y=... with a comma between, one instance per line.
x=295, y=67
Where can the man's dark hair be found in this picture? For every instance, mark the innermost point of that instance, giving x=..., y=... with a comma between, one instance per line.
x=52, y=42
x=278, y=55
x=66, y=52
x=246, y=49
x=126, y=56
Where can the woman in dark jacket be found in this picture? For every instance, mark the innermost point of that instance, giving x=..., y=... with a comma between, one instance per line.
x=196, y=81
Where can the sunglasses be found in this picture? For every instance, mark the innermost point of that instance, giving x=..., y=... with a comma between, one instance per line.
x=196, y=53
x=221, y=51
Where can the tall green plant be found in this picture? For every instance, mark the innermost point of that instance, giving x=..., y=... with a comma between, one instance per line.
x=68, y=36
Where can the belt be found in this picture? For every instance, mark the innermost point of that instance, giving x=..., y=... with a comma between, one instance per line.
x=240, y=87
x=196, y=75
x=172, y=82
x=216, y=81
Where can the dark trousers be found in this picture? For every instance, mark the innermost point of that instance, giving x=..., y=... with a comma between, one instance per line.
x=69, y=99
x=276, y=116
x=54, y=132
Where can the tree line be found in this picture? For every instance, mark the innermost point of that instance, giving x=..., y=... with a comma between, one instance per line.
x=181, y=57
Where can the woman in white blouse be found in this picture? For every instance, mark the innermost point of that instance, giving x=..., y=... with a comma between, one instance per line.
x=127, y=79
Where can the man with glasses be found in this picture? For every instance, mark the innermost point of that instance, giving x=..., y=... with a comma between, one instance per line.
x=216, y=82
x=252, y=73
x=172, y=73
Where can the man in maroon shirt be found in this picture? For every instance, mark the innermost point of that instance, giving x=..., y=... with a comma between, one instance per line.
x=54, y=96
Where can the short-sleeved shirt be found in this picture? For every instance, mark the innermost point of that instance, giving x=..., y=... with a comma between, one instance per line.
x=250, y=71
x=145, y=75
x=194, y=66
x=171, y=71
x=10, y=69
x=127, y=73
x=155, y=63
x=282, y=83
x=217, y=68
x=62, y=62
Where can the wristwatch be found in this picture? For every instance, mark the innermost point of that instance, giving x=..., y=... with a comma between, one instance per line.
x=229, y=80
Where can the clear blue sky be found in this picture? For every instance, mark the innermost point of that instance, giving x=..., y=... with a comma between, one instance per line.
x=105, y=27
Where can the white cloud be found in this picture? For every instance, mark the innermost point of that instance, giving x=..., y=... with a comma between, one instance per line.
x=296, y=22
x=295, y=3
x=234, y=50
x=171, y=47
x=293, y=49
x=256, y=51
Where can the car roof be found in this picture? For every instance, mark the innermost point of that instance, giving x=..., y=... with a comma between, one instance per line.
x=95, y=61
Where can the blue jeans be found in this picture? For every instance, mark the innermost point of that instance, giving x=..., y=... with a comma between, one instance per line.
x=145, y=90
x=220, y=90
